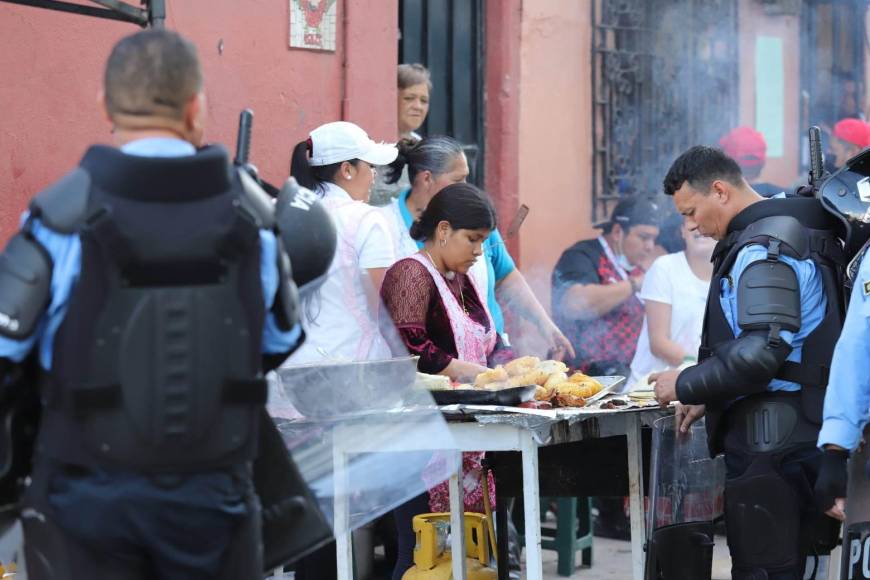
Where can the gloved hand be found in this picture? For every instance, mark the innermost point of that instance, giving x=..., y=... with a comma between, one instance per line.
x=831, y=483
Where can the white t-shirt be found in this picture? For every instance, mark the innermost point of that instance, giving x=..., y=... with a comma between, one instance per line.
x=670, y=280
x=403, y=245
x=337, y=319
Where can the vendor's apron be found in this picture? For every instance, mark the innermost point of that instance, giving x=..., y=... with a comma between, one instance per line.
x=371, y=344
x=473, y=344
x=406, y=247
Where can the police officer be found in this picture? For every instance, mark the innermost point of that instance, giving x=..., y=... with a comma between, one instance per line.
x=152, y=287
x=847, y=401
x=773, y=314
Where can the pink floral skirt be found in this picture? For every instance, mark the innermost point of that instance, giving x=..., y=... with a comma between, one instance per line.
x=470, y=479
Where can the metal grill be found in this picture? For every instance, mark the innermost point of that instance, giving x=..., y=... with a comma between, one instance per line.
x=664, y=78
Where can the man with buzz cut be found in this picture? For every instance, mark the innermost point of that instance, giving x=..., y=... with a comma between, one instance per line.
x=152, y=289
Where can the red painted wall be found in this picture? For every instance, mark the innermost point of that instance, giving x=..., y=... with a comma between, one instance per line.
x=503, y=32
x=51, y=65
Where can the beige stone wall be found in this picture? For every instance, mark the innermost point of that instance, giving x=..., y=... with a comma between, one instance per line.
x=555, y=135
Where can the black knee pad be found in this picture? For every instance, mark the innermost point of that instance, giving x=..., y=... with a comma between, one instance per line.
x=762, y=513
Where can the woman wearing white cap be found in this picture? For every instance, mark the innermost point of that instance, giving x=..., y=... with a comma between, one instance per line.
x=341, y=319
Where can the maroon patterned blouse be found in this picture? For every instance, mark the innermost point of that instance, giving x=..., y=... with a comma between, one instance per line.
x=411, y=302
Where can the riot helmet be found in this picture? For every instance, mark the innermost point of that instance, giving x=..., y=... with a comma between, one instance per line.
x=846, y=195
x=308, y=234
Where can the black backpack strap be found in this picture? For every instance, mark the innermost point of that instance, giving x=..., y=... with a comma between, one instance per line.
x=804, y=374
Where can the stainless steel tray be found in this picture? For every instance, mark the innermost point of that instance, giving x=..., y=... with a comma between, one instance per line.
x=506, y=397
x=610, y=384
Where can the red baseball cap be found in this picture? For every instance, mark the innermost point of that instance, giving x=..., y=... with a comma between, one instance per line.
x=745, y=145
x=852, y=131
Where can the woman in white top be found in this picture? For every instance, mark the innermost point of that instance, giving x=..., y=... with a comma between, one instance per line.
x=341, y=317
x=675, y=295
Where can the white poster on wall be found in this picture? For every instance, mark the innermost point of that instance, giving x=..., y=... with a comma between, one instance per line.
x=313, y=24
x=770, y=93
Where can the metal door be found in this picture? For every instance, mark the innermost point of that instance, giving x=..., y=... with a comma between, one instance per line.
x=447, y=37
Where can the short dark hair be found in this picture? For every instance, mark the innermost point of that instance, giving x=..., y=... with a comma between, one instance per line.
x=462, y=205
x=670, y=234
x=152, y=73
x=699, y=167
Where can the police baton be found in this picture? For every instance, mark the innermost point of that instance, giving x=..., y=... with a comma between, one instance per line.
x=243, y=151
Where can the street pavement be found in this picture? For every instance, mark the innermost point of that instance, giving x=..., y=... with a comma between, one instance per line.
x=611, y=560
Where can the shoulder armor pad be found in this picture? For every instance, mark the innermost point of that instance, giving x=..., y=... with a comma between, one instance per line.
x=25, y=286
x=768, y=294
x=63, y=205
x=787, y=229
x=257, y=202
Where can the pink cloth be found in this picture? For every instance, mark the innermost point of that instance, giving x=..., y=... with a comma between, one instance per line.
x=413, y=306
x=346, y=256
x=474, y=342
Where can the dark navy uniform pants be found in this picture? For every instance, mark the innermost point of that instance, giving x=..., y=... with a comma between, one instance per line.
x=96, y=523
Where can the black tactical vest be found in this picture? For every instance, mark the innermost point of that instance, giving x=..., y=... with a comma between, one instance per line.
x=157, y=364
x=799, y=228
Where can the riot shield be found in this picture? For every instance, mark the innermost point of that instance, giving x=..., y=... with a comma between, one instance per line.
x=364, y=439
x=686, y=496
x=855, y=558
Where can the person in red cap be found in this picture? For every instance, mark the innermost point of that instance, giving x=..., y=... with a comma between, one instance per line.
x=848, y=138
x=748, y=148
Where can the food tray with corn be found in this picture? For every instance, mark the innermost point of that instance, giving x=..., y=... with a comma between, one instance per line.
x=548, y=382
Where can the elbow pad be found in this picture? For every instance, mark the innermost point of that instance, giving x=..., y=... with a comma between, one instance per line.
x=739, y=367
x=25, y=286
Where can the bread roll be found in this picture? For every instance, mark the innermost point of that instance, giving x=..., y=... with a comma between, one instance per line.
x=491, y=376
x=522, y=365
x=533, y=377
x=553, y=366
x=556, y=379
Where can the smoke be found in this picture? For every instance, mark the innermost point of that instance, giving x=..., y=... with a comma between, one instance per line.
x=668, y=73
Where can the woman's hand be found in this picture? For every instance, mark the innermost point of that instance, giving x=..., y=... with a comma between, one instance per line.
x=559, y=347
x=462, y=371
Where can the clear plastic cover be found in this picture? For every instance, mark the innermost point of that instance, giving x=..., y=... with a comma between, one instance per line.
x=362, y=435
x=686, y=485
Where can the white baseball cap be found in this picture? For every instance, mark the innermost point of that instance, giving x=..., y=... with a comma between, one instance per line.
x=343, y=141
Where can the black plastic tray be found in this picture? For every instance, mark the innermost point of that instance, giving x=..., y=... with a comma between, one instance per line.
x=509, y=396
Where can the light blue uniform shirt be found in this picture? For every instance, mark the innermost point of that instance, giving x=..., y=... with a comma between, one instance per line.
x=498, y=262
x=66, y=253
x=847, y=400
x=813, y=302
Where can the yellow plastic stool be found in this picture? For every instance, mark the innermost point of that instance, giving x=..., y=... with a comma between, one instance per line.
x=432, y=557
